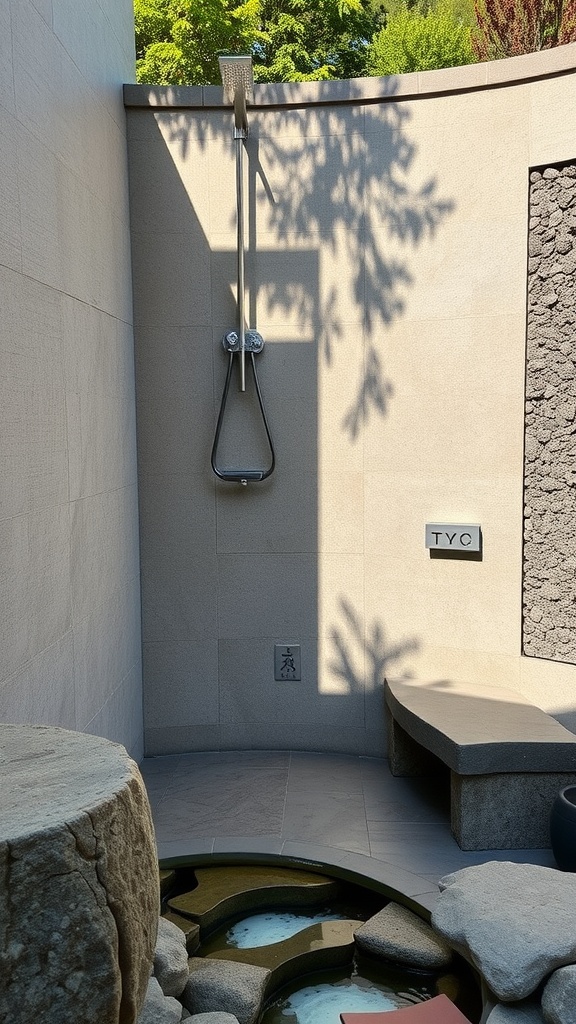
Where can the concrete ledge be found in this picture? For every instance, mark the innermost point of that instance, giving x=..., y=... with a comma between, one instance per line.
x=525, y=68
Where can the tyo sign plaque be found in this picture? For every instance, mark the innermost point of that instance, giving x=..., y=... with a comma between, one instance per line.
x=453, y=536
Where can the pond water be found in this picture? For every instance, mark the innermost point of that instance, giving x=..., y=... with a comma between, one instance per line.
x=321, y=998
x=264, y=929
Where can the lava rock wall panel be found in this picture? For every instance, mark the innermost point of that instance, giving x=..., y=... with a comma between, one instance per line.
x=549, y=592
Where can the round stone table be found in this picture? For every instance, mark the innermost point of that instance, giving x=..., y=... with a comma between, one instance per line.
x=79, y=890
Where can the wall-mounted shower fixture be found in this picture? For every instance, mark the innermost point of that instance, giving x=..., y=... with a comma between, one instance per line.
x=238, y=82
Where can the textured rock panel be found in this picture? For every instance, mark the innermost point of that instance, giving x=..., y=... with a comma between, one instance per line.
x=79, y=899
x=513, y=922
x=549, y=628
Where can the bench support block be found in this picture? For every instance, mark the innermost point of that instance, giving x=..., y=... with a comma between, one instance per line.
x=510, y=811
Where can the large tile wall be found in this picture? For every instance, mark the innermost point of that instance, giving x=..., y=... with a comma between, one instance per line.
x=70, y=650
x=386, y=270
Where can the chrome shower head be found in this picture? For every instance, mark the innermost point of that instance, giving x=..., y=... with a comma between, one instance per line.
x=236, y=72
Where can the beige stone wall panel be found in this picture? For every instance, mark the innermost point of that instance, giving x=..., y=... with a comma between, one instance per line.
x=386, y=270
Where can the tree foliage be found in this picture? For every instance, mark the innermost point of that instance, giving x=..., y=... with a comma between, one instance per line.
x=305, y=40
x=419, y=38
x=178, y=41
x=511, y=27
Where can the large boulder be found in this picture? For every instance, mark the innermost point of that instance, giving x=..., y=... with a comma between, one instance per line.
x=397, y=934
x=559, y=997
x=79, y=902
x=513, y=922
x=225, y=985
x=171, y=958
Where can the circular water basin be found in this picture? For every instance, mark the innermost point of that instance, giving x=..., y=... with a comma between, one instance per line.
x=316, y=970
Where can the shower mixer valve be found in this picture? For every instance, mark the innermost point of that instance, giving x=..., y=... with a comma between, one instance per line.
x=253, y=342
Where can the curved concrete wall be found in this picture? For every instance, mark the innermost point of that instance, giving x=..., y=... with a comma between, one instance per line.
x=69, y=576
x=387, y=272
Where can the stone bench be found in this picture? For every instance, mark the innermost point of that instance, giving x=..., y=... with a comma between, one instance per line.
x=507, y=758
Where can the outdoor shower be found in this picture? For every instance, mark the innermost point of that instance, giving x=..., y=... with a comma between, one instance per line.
x=238, y=82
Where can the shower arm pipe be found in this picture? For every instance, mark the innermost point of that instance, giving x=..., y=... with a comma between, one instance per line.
x=240, y=135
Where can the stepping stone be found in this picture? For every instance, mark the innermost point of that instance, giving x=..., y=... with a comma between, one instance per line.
x=439, y=1010
x=234, y=988
x=224, y=891
x=397, y=934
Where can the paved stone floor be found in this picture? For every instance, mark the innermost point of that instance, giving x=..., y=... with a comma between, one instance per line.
x=335, y=809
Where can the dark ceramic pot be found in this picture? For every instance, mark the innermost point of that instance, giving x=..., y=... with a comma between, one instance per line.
x=563, y=828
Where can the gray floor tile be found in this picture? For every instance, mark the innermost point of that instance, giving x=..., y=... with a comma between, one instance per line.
x=338, y=810
x=408, y=800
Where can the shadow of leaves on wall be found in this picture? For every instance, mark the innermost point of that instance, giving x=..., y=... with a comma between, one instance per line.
x=382, y=657
x=338, y=178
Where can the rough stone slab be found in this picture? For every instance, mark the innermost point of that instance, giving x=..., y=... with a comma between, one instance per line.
x=397, y=934
x=225, y=986
x=526, y=1012
x=171, y=959
x=158, y=1008
x=559, y=997
x=79, y=902
x=513, y=922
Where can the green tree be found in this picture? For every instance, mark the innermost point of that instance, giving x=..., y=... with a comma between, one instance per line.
x=507, y=28
x=306, y=40
x=178, y=41
x=419, y=38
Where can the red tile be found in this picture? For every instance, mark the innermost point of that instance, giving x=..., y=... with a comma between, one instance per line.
x=439, y=1010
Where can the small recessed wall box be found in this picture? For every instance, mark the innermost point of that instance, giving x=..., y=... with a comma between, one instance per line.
x=287, y=662
x=453, y=536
